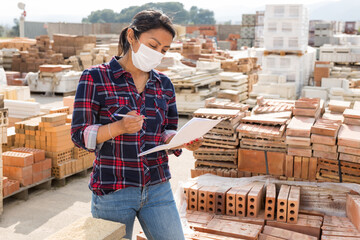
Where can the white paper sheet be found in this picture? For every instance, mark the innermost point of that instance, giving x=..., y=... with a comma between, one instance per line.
x=193, y=129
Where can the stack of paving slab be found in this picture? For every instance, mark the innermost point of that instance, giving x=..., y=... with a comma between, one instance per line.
x=235, y=81
x=193, y=88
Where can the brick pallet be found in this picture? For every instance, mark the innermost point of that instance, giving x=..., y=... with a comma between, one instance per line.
x=69, y=44
x=220, y=144
x=49, y=133
x=262, y=133
x=40, y=53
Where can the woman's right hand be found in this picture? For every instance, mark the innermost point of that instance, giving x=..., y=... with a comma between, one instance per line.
x=131, y=125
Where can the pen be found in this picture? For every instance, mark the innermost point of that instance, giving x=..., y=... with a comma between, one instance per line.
x=125, y=115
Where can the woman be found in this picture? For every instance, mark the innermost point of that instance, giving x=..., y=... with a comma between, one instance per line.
x=124, y=185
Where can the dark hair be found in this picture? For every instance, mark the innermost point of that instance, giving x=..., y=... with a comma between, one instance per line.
x=142, y=22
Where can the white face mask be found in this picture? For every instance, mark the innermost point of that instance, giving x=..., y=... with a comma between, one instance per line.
x=146, y=58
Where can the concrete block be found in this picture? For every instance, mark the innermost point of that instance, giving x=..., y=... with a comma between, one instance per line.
x=91, y=229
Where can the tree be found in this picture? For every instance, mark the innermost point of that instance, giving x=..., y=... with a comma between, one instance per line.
x=193, y=15
x=205, y=16
x=2, y=31
x=106, y=15
x=175, y=10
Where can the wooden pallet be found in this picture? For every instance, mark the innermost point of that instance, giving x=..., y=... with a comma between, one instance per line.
x=220, y=143
x=62, y=181
x=329, y=169
x=220, y=137
x=262, y=144
x=284, y=53
x=216, y=154
x=23, y=192
x=221, y=164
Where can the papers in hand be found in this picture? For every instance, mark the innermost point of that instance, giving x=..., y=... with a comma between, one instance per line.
x=192, y=130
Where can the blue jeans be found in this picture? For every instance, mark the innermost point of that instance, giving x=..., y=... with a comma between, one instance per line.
x=154, y=206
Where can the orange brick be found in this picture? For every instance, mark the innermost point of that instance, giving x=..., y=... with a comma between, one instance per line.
x=293, y=204
x=231, y=201
x=46, y=173
x=39, y=155
x=211, y=200
x=202, y=199
x=46, y=164
x=221, y=200
x=37, y=177
x=282, y=201
x=270, y=201
x=17, y=159
x=37, y=167
x=22, y=174
x=186, y=187
x=193, y=197
x=241, y=200
x=255, y=199
x=289, y=166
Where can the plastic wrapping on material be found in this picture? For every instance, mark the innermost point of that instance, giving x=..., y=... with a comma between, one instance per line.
x=2, y=77
x=213, y=180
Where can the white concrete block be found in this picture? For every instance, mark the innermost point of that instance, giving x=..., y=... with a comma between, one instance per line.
x=314, y=92
x=89, y=228
x=331, y=82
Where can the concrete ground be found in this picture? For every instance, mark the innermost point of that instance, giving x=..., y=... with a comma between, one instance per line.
x=47, y=211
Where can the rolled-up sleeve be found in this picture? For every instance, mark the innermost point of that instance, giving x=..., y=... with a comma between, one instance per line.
x=86, y=112
x=171, y=125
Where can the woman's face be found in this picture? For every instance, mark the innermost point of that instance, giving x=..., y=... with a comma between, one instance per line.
x=157, y=39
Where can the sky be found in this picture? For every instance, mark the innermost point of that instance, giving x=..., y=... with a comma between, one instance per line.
x=75, y=10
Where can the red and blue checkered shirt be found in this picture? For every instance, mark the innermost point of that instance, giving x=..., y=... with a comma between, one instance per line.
x=106, y=90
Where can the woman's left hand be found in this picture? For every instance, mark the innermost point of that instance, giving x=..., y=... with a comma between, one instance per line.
x=194, y=145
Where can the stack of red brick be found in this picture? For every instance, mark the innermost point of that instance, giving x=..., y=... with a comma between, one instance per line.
x=254, y=211
x=14, y=78
x=51, y=133
x=26, y=165
x=68, y=45
x=39, y=54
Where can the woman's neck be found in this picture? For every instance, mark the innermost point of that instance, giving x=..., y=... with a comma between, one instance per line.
x=128, y=66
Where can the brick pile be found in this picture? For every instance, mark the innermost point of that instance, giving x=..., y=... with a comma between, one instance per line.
x=51, y=133
x=22, y=44
x=218, y=153
x=305, y=147
x=36, y=55
x=28, y=166
x=68, y=45
x=265, y=211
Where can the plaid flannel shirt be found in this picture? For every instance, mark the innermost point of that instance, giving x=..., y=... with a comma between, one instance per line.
x=106, y=90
